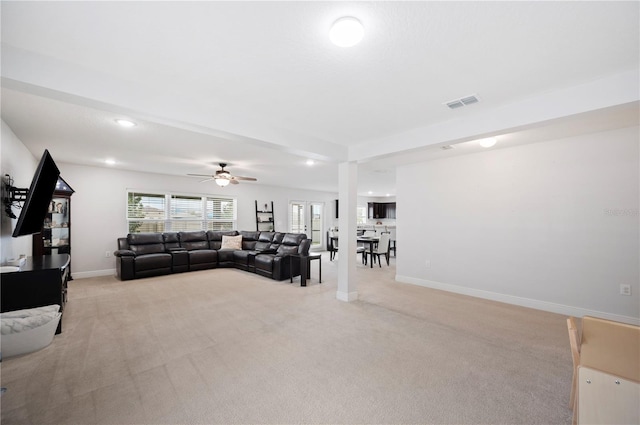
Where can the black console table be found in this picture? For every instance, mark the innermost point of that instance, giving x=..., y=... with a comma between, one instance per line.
x=40, y=281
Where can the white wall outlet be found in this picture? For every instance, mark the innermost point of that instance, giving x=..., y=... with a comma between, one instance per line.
x=625, y=289
x=107, y=254
x=427, y=263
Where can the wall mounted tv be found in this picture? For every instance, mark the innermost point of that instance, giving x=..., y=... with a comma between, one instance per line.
x=38, y=198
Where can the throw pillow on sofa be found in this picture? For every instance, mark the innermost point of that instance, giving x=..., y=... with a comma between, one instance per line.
x=231, y=242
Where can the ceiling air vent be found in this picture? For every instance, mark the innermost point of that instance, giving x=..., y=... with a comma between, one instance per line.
x=463, y=101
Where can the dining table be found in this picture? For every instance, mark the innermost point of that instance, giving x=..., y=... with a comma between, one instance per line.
x=371, y=240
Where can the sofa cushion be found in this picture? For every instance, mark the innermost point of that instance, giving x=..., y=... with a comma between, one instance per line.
x=293, y=238
x=249, y=239
x=266, y=237
x=231, y=242
x=215, y=237
x=287, y=249
x=225, y=257
x=194, y=240
x=202, y=256
x=145, y=243
x=244, y=257
x=264, y=262
x=144, y=238
x=153, y=261
x=276, y=241
x=262, y=246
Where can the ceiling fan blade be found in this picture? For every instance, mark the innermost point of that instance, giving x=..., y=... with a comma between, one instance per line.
x=201, y=175
x=234, y=181
x=251, y=179
x=206, y=180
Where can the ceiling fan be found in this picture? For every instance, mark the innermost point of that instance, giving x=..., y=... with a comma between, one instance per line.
x=222, y=177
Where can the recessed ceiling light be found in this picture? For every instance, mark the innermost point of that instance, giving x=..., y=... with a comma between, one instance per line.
x=310, y=162
x=346, y=32
x=487, y=143
x=370, y=192
x=388, y=194
x=110, y=161
x=126, y=123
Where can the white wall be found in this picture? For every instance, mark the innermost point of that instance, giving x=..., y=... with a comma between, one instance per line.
x=20, y=164
x=550, y=225
x=98, y=207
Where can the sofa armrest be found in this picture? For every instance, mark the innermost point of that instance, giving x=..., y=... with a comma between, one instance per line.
x=124, y=253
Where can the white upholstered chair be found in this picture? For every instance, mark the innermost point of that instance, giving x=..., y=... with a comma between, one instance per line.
x=381, y=249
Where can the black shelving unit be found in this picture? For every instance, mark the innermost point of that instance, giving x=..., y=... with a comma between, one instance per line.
x=264, y=218
x=55, y=235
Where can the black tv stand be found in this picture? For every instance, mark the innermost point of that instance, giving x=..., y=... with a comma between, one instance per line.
x=41, y=281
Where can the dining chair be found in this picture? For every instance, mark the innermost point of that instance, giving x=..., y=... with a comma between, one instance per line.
x=393, y=241
x=574, y=342
x=332, y=245
x=381, y=249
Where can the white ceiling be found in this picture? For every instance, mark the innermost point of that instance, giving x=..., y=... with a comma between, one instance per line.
x=260, y=86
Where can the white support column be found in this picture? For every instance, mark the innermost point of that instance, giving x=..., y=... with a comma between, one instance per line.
x=347, y=228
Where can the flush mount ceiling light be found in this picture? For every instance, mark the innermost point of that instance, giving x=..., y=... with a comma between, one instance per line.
x=125, y=123
x=346, y=32
x=488, y=142
x=310, y=162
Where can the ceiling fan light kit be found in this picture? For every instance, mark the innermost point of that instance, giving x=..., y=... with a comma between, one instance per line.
x=221, y=182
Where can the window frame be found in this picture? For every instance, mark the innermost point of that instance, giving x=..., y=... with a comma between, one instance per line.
x=173, y=220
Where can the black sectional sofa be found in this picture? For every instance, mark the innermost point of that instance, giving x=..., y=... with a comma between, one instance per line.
x=266, y=253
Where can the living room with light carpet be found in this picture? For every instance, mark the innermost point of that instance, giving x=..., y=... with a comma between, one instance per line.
x=226, y=346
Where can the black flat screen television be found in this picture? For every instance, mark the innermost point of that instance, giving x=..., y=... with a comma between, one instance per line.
x=34, y=209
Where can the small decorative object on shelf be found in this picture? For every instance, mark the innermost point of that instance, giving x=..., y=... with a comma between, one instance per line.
x=55, y=237
x=264, y=218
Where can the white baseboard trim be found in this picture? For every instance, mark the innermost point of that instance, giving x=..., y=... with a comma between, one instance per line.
x=93, y=273
x=566, y=310
x=347, y=296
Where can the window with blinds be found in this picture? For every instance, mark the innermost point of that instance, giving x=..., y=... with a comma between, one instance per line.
x=296, y=216
x=361, y=215
x=146, y=212
x=220, y=213
x=160, y=212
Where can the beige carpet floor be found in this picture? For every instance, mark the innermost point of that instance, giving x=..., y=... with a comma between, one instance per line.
x=225, y=346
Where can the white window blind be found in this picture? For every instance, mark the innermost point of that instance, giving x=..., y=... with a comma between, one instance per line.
x=361, y=215
x=220, y=213
x=297, y=218
x=159, y=212
x=186, y=208
x=146, y=212
x=146, y=206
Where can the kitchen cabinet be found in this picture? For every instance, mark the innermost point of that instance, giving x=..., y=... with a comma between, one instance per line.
x=381, y=210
